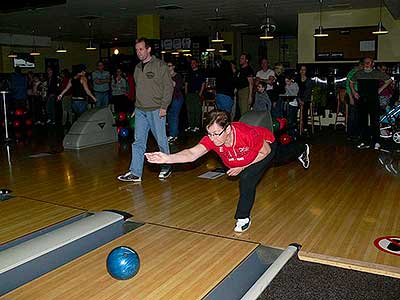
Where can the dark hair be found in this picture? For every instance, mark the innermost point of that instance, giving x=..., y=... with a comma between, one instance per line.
x=219, y=117
x=66, y=73
x=263, y=84
x=146, y=42
x=262, y=58
x=246, y=55
x=170, y=61
x=78, y=68
x=100, y=62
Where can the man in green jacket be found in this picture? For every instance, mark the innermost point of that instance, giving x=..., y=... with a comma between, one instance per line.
x=154, y=90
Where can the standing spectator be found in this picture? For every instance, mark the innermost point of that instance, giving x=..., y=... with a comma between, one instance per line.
x=305, y=92
x=67, y=99
x=19, y=87
x=291, y=92
x=52, y=91
x=368, y=96
x=224, y=86
x=119, y=88
x=29, y=91
x=80, y=89
x=386, y=94
x=265, y=73
x=101, y=85
x=278, y=88
x=245, y=84
x=176, y=104
x=194, y=88
x=37, y=101
x=353, y=126
x=154, y=90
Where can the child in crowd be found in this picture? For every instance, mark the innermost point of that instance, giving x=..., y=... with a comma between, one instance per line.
x=262, y=101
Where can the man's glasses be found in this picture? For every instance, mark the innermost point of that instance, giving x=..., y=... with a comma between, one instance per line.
x=211, y=135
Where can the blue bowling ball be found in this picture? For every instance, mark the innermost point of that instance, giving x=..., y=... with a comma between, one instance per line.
x=123, y=263
x=124, y=132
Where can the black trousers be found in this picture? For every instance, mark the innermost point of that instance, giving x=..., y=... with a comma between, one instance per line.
x=248, y=180
x=369, y=106
x=251, y=176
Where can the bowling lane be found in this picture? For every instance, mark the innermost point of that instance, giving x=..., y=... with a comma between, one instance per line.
x=175, y=264
x=21, y=216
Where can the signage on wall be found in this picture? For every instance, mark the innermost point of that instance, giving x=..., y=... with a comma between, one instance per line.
x=330, y=56
x=389, y=244
x=175, y=44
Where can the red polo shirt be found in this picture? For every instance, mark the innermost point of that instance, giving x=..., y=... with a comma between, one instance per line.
x=247, y=142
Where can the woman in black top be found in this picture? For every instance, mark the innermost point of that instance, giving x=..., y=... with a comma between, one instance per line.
x=52, y=91
x=80, y=90
x=304, y=96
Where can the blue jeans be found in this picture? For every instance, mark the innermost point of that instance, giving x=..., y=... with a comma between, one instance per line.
x=79, y=107
x=224, y=102
x=173, y=116
x=102, y=98
x=145, y=121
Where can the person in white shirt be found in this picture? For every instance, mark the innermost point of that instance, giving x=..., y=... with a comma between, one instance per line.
x=265, y=74
x=291, y=92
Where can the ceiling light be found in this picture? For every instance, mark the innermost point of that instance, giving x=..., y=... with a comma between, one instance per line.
x=319, y=32
x=268, y=28
x=34, y=52
x=116, y=51
x=175, y=53
x=223, y=51
x=380, y=28
x=61, y=50
x=90, y=47
x=163, y=52
x=218, y=37
x=210, y=49
x=12, y=54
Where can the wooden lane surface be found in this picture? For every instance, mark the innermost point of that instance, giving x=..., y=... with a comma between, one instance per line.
x=175, y=264
x=20, y=216
x=336, y=209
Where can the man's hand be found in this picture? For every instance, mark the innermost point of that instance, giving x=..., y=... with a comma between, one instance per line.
x=234, y=171
x=59, y=97
x=157, y=157
x=163, y=112
x=356, y=95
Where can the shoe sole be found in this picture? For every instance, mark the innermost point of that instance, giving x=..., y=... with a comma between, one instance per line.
x=128, y=180
x=308, y=157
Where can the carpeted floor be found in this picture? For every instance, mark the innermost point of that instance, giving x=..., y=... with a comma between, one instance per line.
x=300, y=280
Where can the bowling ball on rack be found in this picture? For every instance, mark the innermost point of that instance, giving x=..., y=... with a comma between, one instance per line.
x=275, y=126
x=124, y=132
x=121, y=116
x=19, y=112
x=16, y=123
x=285, y=139
x=123, y=263
x=28, y=122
